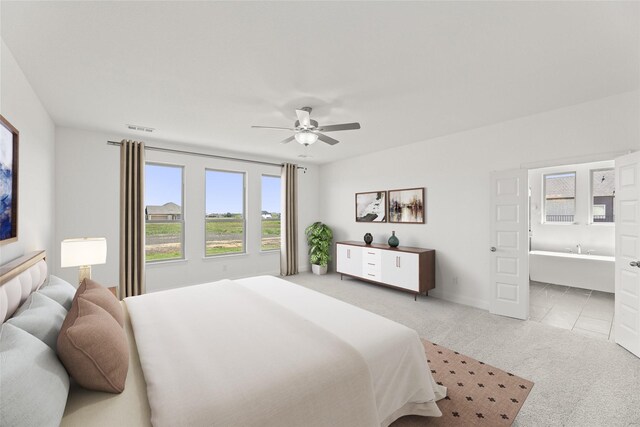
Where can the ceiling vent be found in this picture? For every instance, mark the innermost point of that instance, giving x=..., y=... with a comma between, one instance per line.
x=140, y=128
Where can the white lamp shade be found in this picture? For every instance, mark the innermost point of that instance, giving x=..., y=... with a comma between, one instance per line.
x=85, y=251
x=306, y=137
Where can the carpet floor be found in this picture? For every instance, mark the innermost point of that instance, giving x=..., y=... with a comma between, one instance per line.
x=580, y=381
x=477, y=394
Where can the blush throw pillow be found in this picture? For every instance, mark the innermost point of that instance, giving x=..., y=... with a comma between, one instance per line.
x=93, y=347
x=102, y=297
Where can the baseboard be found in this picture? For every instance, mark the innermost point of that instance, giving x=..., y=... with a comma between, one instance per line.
x=460, y=299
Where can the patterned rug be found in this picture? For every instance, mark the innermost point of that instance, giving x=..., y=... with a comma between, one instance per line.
x=477, y=394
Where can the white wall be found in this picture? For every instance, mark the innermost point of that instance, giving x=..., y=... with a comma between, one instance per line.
x=88, y=205
x=21, y=107
x=455, y=169
x=598, y=237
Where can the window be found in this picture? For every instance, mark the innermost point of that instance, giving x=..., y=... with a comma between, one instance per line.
x=224, y=212
x=270, y=213
x=560, y=197
x=603, y=193
x=164, y=213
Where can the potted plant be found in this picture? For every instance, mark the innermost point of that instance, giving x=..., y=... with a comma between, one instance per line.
x=319, y=237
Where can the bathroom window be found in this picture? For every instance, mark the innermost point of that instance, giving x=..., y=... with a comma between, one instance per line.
x=603, y=193
x=560, y=197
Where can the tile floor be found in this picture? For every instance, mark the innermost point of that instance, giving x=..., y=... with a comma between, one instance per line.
x=580, y=310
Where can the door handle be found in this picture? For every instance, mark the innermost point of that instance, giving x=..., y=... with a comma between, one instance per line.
x=493, y=249
x=635, y=264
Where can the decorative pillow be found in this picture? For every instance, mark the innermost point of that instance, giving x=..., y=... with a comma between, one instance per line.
x=58, y=290
x=102, y=297
x=94, y=348
x=42, y=317
x=34, y=383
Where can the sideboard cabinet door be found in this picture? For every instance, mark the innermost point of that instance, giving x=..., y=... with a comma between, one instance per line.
x=401, y=269
x=349, y=260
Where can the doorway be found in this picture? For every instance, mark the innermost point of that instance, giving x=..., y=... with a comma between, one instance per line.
x=572, y=247
x=509, y=259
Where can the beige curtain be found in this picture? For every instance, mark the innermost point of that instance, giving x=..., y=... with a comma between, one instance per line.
x=132, y=280
x=289, y=221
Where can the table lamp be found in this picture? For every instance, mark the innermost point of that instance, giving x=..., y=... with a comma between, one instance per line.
x=83, y=253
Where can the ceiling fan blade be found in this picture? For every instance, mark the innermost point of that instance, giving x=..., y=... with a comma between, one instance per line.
x=272, y=127
x=327, y=139
x=344, y=126
x=303, y=118
x=288, y=140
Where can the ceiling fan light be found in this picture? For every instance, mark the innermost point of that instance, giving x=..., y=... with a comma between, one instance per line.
x=306, y=138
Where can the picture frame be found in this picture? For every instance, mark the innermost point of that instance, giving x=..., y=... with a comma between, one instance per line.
x=407, y=206
x=371, y=206
x=9, y=137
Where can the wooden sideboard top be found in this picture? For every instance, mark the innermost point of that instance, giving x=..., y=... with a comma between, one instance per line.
x=386, y=247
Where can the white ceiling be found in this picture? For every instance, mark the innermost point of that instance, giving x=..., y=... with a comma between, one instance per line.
x=204, y=72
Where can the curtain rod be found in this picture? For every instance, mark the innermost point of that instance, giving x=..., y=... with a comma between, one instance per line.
x=195, y=153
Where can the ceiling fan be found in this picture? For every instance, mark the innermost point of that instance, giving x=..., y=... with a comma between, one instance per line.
x=307, y=131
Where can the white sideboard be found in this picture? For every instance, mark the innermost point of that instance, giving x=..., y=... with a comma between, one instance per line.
x=410, y=269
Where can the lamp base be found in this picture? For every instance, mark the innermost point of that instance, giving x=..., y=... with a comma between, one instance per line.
x=85, y=273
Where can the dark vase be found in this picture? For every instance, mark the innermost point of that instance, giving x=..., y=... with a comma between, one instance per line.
x=393, y=240
x=368, y=238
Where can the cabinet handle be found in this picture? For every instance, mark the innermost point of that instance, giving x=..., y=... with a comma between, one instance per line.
x=369, y=274
x=371, y=253
x=399, y=262
x=348, y=253
x=370, y=263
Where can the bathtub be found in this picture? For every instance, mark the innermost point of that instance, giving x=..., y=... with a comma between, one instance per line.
x=594, y=272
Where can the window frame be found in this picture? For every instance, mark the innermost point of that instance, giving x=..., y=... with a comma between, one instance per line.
x=544, y=197
x=591, y=221
x=267, y=251
x=183, y=248
x=244, y=214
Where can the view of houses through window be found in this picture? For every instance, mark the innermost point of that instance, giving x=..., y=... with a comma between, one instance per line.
x=603, y=192
x=164, y=219
x=270, y=213
x=560, y=197
x=224, y=212
x=225, y=221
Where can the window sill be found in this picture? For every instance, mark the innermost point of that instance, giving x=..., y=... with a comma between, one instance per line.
x=270, y=251
x=233, y=255
x=168, y=261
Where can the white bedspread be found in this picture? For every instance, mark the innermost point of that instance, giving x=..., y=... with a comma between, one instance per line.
x=220, y=354
x=402, y=382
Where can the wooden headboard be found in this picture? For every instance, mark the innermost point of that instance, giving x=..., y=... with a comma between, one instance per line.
x=18, y=279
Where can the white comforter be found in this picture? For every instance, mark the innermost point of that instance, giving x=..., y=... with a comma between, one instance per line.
x=266, y=352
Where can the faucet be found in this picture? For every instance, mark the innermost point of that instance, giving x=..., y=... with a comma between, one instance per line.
x=579, y=246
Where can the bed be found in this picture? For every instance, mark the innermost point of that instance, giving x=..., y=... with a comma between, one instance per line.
x=258, y=351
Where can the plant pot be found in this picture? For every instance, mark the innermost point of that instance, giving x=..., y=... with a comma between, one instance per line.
x=318, y=269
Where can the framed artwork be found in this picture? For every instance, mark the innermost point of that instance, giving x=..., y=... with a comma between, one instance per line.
x=8, y=182
x=371, y=207
x=407, y=206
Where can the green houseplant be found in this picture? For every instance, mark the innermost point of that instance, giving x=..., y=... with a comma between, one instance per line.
x=319, y=237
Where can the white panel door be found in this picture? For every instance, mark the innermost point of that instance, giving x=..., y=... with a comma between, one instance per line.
x=509, y=244
x=627, y=214
x=401, y=269
x=349, y=260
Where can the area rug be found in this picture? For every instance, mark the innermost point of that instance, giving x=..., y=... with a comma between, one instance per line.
x=477, y=394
